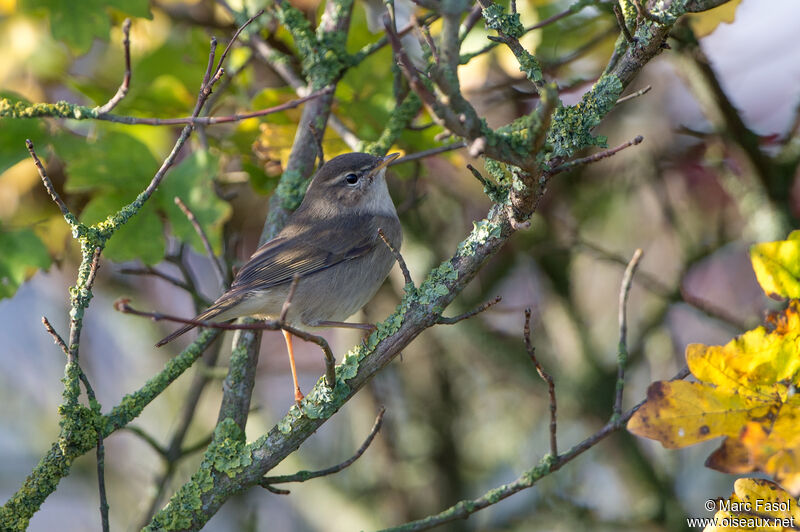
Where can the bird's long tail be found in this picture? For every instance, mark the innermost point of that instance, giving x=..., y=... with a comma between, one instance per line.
x=222, y=305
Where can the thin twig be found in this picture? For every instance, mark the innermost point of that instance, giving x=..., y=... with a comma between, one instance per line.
x=149, y=270
x=122, y=91
x=101, y=482
x=211, y=120
x=203, y=237
x=56, y=337
x=236, y=36
x=636, y=94
x=122, y=305
x=398, y=257
x=547, y=378
x=147, y=438
x=302, y=476
x=426, y=35
x=455, y=319
x=48, y=185
x=428, y=153
x=469, y=22
x=595, y=157
x=622, y=349
x=622, y=25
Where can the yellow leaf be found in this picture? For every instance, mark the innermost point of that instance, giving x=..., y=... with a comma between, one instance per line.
x=757, y=360
x=681, y=413
x=756, y=504
x=777, y=266
x=706, y=22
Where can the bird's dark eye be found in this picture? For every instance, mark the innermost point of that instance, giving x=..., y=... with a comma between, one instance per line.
x=351, y=179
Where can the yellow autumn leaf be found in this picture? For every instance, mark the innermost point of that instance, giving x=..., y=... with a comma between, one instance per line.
x=681, y=413
x=756, y=504
x=747, y=392
x=755, y=360
x=777, y=266
x=706, y=22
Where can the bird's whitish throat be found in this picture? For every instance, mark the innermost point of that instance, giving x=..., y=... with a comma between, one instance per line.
x=330, y=243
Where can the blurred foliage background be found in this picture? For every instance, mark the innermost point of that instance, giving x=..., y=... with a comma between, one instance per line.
x=465, y=408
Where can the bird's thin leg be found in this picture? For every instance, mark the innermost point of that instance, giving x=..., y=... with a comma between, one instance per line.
x=346, y=325
x=298, y=395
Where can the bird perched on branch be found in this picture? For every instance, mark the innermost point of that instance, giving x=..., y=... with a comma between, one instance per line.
x=330, y=244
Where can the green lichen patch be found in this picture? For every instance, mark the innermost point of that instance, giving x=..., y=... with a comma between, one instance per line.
x=292, y=416
x=78, y=429
x=291, y=189
x=482, y=231
x=228, y=452
x=437, y=284
x=177, y=515
x=9, y=109
x=571, y=127
x=497, y=19
x=400, y=118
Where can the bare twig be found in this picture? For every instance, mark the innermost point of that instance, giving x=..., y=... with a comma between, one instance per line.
x=398, y=257
x=203, y=238
x=56, y=337
x=212, y=120
x=622, y=349
x=122, y=91
x=101, y=482
x=122, y=305
x=469, y=22
x=236, y=36
x=149, y=270
x=48, y=185
x=147, y=438
x=426, y=35
x=621, y=23
x=428, y=153
x=302, y=476
x=636, y=94
x=595, y=157
x=547, y=378
x=455, y=319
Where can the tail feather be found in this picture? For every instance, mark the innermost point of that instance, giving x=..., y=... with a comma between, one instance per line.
x=220, y=306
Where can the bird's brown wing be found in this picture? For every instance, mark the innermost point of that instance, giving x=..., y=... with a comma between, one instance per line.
x=293, y=253
x=303, y=253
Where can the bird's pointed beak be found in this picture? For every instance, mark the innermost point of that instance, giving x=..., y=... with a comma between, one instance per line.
x=384, y=163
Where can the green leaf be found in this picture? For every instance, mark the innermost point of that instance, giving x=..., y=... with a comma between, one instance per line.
x=141, y=238
x=115, y=162
x=13, y=133
x=22, y=252
x=79, y=23
x=192, y=181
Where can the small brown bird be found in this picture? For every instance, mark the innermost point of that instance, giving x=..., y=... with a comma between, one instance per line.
x=330, y=243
